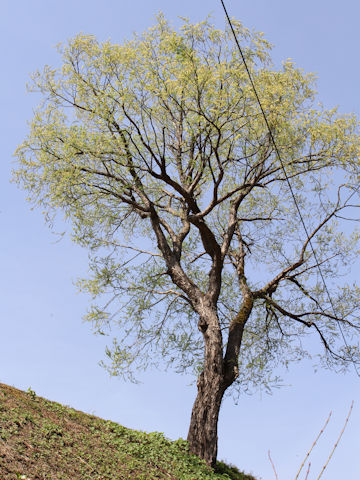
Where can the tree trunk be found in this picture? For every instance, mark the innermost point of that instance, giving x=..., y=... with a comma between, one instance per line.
x=202, y=436
x=218, y=374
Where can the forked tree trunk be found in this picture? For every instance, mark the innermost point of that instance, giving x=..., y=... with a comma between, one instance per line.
x=202, y=436
x=218, y=374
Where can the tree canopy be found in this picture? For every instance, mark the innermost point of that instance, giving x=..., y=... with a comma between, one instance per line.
x=157, y=152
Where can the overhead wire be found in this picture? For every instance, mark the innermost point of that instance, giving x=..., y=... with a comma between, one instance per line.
x=290, y=186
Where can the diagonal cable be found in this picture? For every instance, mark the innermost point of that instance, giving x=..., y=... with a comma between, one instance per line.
x=289, y=184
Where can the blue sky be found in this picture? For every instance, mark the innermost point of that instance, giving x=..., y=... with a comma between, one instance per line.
x=44, y=343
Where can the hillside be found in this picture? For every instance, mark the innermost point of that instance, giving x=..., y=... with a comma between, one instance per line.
x=40, y=439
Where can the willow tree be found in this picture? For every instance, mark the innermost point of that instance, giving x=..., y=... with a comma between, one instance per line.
x=157, y=153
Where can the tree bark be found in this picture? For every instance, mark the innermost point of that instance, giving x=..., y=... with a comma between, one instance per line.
x=202, y=436
x=218, y=374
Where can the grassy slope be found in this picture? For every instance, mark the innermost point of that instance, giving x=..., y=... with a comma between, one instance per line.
x=45, y=440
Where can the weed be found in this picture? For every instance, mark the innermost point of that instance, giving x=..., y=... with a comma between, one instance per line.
x=48, y=440
x=31, y=393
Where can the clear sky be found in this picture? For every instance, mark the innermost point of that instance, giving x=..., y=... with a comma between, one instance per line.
x=43, y=342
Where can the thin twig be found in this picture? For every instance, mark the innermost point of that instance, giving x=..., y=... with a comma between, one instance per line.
x=105, y=242
x=273, y=466
x=308, y=471
x=337, y=441
x=312, y=446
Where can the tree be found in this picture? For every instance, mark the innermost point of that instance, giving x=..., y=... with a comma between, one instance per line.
x=158, y=154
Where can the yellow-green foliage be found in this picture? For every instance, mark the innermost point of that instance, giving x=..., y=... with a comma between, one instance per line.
x=103, y=92
x=168, y=123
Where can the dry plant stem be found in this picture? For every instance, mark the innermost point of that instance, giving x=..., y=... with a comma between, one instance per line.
x=308, y=471
x=273, y=466
x=82, y=460
x=337, y=441
x=312, y=446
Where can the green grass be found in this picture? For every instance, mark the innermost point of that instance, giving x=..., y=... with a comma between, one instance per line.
x=46, y=440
